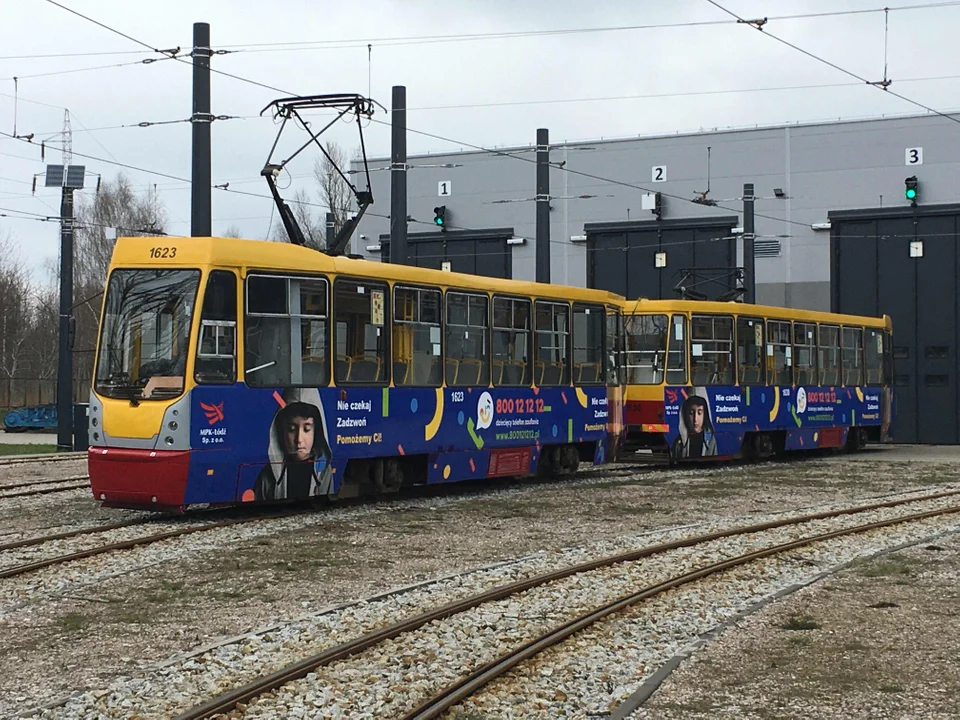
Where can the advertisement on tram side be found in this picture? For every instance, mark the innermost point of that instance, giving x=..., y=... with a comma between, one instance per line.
x=711, y=421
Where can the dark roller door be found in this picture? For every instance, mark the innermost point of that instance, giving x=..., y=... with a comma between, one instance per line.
x=936, y=331
x=607, y=256
x=475, y=252
x=874, y=273
x=898, y=299
x=623, y=257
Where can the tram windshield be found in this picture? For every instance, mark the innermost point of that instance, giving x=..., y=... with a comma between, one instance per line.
x=145, y=336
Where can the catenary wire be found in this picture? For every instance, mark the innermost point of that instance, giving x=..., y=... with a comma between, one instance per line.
x=834, y=65
x=524, y=34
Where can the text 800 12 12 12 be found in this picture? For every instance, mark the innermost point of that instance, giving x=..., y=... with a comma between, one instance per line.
x=527, y=406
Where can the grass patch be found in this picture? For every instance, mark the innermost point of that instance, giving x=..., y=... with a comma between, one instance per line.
x=800, y=622
x=892, y=688
x=73, y=622
x=893, y=566
x=26, y=449
x=882, y=605
x=799, y=640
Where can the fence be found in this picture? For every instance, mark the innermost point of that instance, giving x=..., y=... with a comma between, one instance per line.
x=23, y=392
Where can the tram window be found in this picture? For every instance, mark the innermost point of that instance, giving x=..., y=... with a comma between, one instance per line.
x=711, y=350
x=286, y=312
x=750, y=350
x=646, y=352
x=887, y=357
x=552, y=362
x=779, y=353
x=677, y=351
x=217, y=353
x=612, y=343
x=829, y=355
x=361, y=338
x=467, y=331
x=805, y=352
x=588, y=327
x=852, y=356
x=511, y=341
x=873, y=354
x=416, y=336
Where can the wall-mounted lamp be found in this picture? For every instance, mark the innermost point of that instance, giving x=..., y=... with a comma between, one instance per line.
x=778, y=192
x=821, y=226
x=516, y=241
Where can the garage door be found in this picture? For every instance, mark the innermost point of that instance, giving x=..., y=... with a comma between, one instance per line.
x=482, y=252
x=906, y=266
x=644, y=259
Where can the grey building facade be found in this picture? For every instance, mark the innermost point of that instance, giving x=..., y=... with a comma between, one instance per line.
x=834, y=229
x=820, y=168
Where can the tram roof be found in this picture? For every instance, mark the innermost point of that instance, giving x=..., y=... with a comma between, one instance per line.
x=644, y=306
x=251, y=255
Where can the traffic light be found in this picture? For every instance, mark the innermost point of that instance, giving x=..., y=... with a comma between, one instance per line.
x=657, y=205
x=440, y=217
x=911, y=191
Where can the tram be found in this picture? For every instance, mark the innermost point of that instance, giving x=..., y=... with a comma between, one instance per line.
x=714, y=380
x=235, y=371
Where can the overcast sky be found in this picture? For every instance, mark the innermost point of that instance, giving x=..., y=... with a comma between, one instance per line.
x=505, y=81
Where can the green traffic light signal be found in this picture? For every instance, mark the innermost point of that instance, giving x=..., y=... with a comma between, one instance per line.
x=911, y=190
x=440, y=216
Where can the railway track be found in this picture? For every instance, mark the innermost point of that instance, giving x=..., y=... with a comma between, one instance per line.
x=438, y=702
x=262, y=514
x=43, y=487
x=41, y=458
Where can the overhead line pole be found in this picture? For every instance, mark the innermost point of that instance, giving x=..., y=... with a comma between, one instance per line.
x=543, y=205
x=398, y=176
x=201, y=119
x=749, y=236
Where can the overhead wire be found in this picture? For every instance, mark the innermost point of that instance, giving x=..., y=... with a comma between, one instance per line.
x=599, y=178
x=879, y=85
x=525, y=34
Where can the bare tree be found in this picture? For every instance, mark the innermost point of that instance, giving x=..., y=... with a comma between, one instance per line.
x=335, y=192
x=117, y=210
x=311, y=226
x=16, y=311
x=232, y=231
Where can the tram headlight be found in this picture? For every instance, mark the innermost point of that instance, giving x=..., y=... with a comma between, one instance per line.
x=168, y=440
x=173, y=425
x=94, y=422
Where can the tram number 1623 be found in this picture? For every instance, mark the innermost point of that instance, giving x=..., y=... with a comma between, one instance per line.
x=162, y=252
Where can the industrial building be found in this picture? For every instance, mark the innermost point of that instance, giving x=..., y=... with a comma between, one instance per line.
x=834, y=227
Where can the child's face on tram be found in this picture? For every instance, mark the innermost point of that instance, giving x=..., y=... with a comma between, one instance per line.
x=695, y=417
x=298, y=437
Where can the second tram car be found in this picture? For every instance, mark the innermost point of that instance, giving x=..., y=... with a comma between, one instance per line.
x=726, y=379
x=233, y=371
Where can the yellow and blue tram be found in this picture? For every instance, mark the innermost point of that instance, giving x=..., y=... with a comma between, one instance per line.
x=233, y=371
x=726, y=379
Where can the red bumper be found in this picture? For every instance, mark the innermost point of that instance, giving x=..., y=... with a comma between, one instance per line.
x=143, y=479
x=644, y=412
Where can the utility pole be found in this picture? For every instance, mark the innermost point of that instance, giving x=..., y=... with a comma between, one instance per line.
x=69, y=178
x=201, y=119
x=398, y=176
x=543, y=205
x=749, y=235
